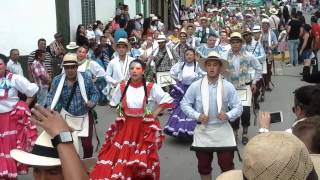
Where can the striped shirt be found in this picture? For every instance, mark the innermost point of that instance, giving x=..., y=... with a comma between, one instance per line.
x=47, y=61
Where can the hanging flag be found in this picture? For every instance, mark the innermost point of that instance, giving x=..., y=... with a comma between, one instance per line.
x=175, y=12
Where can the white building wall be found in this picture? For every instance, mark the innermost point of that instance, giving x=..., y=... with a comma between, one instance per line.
x=105, y=9
x=23, y=23
x=75, y=14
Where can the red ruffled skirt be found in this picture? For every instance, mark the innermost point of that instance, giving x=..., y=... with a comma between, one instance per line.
x=16, y=132
x=130, y=150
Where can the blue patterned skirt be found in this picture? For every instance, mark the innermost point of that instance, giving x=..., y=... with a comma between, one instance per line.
x=179, y=125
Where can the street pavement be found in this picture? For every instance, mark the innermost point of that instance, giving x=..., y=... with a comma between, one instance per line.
x=176, y=159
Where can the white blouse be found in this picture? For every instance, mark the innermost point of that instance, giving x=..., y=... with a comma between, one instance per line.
x=135, y=96
x=188, y=74
x=19, y=84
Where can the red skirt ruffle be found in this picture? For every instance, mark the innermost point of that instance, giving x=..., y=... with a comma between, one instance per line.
x=130, y=150
x=16, y=132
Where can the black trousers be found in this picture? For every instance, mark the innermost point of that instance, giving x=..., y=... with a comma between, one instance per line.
x=245, y=119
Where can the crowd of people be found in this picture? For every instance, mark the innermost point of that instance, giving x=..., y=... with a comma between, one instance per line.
x=210, y=73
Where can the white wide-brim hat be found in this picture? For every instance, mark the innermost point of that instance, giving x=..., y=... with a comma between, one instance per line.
x=213, y=56
x=161, y=38
x=45, y=155
x=72, y=45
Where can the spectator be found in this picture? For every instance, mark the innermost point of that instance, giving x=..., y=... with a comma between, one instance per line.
x=115, y=23
x=56, y=47
x=147, y=30
x=98, y=28
x=121, y=33
x=306, y=39
x=174, y=37
x=81, y=38
x=131, y=28
x=47, y=61
x=108, y=33
x=138, y=22
x=14, y=65
x=41, y=76
x=90, y=33
x=274, y=21
x=294, y=30
x=119, y=9
x=301, y=17
x=274, y=155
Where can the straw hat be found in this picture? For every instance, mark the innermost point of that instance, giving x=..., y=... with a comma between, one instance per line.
x=183, y=31
x=316, y=162
x=213, y=56
x=273, y=11
x=246, y=31
x=161, y=38
x=273, y=155
x=70, y=59
x=72, y=45
x=123, y=41
x=204, y=18
x=265, y=20
x=235, y=36
x=256, y=29
x=154, y=18
x=44, y=154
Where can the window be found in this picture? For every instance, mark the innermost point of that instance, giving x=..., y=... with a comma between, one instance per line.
x=88, y=12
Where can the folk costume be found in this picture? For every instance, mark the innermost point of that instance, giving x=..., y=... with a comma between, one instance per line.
x=131, y=146
x=179, y=125
x=203, y=97
x=70, y=101
x=16, y=130
x=239, y=76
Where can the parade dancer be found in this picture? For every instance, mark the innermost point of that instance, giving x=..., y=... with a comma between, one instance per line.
x=203, y=32
x=184, y=73
x=16, y=130
x=239, y=64
x=254, y=48
x=131, y=146
x=210, y=46
x=180, y=48
x=192, y=41
x=213, y=101
x=74, y=95
x=269, y=42
x=118, y=68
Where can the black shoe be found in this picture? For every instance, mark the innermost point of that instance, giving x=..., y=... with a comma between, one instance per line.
x=245, y=139
x=268, y=89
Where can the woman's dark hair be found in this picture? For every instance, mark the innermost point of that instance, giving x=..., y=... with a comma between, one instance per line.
x=146, y=25
x=122, y=23
x=38, y=53
x=194, y=62
x=78, y=29
x=4, y=58
x=96, y=24
x=98, y=52
x=106, y=27
x=130, y=27
x=307, y=27
x=117, y=19
x=143, y=65
x=308, y=99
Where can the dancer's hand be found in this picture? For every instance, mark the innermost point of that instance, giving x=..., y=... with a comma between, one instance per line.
x=222, y=116
x=203, y=118
x=51, y=121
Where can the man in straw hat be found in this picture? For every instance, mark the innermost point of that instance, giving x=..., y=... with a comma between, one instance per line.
x=254, y=48
x=118, y=67
x=74, y=95
x=204, y=31
x=274, y=155
x=274, y=21
x=55, y=153
x=217, y=104
x=180, y=48
x=269, y=42
x=239, y=64
x=192, y=41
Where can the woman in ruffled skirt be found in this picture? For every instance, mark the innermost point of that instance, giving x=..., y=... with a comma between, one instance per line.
x=16, y=130
x=131, y=146
x=184, y=73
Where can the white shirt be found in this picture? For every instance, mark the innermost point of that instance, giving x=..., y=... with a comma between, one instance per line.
x=15, y=68
x=19, y=84
x=118, y=71
x=236, y=63
x=135, y=96
x=274, y=21
x=98, y=33
x=93, y=67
